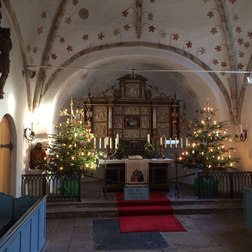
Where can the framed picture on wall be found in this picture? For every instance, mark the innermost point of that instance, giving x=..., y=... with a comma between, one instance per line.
x=131, y=121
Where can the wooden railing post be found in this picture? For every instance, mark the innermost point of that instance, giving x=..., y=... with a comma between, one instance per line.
x=231, y=184
x=43, y=184
x=79, y=181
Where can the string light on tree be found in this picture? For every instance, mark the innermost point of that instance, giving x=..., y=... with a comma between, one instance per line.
x=71, y=147
x=208, y=149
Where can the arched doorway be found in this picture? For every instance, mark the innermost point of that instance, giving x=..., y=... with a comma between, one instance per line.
x=5, y=156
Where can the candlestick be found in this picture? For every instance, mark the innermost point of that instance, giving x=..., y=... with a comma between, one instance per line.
x=148, y=138
x=110, y=143
x=99, y=143
x=176, y=144
x=117, y=137
x=165, y=143
x=161, y=141
x=170, y=143
x=181, y=143
x=186, y=141
x=94, y=143
x=116, y=143
x=105, y=144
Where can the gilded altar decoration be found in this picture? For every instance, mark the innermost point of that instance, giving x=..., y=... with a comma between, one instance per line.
x=133, y=109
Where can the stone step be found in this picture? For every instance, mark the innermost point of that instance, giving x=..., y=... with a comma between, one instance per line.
x=109, y=208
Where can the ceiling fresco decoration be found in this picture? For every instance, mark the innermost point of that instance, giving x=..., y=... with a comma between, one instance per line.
x=216, y=32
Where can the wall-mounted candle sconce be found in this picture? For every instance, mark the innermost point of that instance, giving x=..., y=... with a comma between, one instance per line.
x=241, y=137
x=29, y=134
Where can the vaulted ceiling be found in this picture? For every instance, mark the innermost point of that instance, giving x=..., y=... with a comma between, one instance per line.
x=193, y=47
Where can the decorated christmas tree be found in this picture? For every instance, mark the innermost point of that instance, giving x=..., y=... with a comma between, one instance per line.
x=207, y=148
x=71, y=149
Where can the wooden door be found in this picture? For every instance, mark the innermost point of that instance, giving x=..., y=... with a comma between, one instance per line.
x=5, y=156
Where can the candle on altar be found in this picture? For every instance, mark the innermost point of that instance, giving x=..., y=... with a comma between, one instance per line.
x=165, y=142
x=105, y=144
x=117, y=137
x=161, y=141
x=148, y=138
x=94, y=143
x=110, y=143
x=107, y=141
x=99, y=143
x=116, y=143
x=170, y=143
x=176, y=144
x=186, y=143
x=181, y=143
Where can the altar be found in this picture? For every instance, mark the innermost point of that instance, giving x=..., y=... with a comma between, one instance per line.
x=116, y=176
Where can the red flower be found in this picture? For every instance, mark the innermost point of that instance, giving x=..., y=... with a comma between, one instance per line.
x=240, y=41
x=69, y=48
x=238, y=29
x=189, y=44
x=40, y=30
x=126, y=27
x=246, y=44
x=210, y=14
x=213, y=30
x=125, y=13
x=215, y=61
x=223, y=64
x=85, y=37
x=151, y=28
x=240, y=66
x=62, y=40
x=101, y=35
x=175, y=36
x=80, y=144
x=218, y=48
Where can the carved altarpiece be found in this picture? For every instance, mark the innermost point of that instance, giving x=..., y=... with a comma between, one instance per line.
x=133, y=109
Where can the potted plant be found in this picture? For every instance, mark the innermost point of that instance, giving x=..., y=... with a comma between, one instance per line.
x=149, y=150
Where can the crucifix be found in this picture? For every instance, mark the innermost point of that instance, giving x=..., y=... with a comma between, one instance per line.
x=133, y=72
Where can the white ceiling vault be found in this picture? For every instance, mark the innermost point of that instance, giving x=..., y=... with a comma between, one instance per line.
x=196, y=48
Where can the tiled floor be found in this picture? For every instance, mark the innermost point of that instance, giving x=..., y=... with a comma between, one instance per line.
x=210, y=232
x=205, y=232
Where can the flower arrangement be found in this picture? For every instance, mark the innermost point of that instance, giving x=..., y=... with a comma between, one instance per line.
x=149, y=150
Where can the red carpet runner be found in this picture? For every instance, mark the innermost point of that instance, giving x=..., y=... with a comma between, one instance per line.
x=155, y=214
